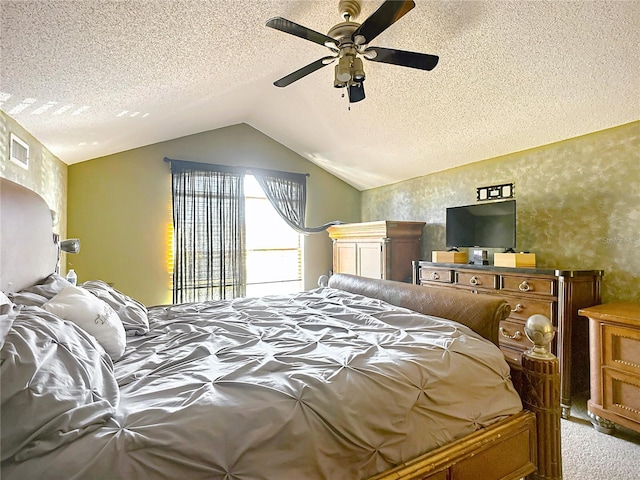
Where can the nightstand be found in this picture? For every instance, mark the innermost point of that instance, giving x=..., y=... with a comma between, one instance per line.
x=614, y=349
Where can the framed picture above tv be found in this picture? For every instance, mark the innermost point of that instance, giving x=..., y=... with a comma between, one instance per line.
x=495, y=192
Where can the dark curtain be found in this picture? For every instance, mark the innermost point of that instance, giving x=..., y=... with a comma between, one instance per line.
x=287, y=192
x=209, y=233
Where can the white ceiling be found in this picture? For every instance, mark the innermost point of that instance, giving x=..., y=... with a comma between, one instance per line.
x=91, y=78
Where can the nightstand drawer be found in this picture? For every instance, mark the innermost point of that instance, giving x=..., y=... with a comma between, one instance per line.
x=440, y=275
x=527, y=285
x=622, y=394
x=621, y=349
x=476, y=280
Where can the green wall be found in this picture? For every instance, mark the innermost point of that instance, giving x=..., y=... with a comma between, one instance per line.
x=120, y=207
x=578, y=204
x=47, y=174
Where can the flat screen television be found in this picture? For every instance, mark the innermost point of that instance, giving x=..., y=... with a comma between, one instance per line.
x=483, y=225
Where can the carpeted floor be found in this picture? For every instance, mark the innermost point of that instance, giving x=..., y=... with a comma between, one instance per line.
x=590, y=455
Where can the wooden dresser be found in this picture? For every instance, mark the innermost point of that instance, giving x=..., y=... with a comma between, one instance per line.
x=557, y=294
x=614, y=334
x=383, y=249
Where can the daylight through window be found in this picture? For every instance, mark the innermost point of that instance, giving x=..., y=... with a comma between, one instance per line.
x=274, y=253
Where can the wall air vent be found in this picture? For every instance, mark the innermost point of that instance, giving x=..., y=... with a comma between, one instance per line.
x=19, y=153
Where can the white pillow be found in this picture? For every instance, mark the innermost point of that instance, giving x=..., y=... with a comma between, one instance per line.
x=91, y=314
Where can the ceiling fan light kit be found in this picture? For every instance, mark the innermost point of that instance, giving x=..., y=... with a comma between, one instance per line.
x=349, y=41
x=343, y=69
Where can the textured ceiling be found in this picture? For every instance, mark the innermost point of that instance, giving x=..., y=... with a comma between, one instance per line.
x=91, y=78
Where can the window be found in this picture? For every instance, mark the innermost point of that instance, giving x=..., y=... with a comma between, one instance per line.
x=273, y=248
x=236, y=233
x=208, y=212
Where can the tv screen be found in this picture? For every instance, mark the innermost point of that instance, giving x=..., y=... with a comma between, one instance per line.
x=484, y=225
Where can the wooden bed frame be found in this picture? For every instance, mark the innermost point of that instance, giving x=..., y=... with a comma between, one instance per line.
x=523, y=445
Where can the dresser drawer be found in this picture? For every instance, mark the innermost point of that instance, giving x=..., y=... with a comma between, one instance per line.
x=440, y=275
x=523, y=307
x=476, y=280
x=528, y=285
x=512, y=335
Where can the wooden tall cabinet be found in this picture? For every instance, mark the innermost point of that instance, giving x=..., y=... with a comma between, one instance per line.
x=384, y=249
x=557, y=294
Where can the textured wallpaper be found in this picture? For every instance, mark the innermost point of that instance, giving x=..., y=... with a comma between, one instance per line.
x=47, y=174
x=578, y=204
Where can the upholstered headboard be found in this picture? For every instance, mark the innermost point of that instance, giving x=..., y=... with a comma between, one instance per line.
x=28, y=252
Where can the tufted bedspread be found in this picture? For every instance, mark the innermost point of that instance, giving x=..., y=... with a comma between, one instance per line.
x=321, y=385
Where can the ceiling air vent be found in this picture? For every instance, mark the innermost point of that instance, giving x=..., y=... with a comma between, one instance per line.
x=19, y=152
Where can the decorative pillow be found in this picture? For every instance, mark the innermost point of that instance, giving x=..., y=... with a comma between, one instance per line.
x=7, y=314
x=92, y=315
x=132, y=313
x=57, y=385
x=37, y=295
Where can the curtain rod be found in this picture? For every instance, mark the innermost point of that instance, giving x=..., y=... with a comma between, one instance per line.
x=232, y=168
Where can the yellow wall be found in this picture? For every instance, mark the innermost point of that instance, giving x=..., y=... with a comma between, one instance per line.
x=578, y=204
x=120, y=207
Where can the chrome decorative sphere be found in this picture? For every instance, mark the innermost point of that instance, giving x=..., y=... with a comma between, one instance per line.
x=540, y=331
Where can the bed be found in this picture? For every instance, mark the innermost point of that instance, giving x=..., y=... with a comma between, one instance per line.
x=361, y=379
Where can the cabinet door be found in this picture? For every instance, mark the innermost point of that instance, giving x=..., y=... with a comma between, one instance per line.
x=370, y=260
x=345, y=258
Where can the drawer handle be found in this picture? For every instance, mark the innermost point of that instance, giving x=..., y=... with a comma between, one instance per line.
x=474, y=280
x=515, y=336
x=524, y=287
x=518, y=308
x=435, y=276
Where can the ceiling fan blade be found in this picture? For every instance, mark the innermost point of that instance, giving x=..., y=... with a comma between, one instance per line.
x=303, y=72
x=356, y=92
x=421, y=61
x=387, y=14
x=292, y=28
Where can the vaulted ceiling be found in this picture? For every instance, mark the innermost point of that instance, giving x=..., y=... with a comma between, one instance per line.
x=91, y=78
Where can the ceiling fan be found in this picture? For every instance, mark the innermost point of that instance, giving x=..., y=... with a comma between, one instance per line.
x=349, y=41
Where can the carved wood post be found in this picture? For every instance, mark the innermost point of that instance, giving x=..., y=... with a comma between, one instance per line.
x=541, y=387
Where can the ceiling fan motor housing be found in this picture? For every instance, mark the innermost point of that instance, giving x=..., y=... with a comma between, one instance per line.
x=342, y=33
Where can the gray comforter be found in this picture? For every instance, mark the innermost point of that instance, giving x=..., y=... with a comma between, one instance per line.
x=320, y=385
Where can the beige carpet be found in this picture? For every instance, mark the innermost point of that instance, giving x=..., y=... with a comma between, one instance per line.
x=590, y=455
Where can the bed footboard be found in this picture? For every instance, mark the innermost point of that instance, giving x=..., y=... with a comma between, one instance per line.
x=540, y=393
x=523, y=445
